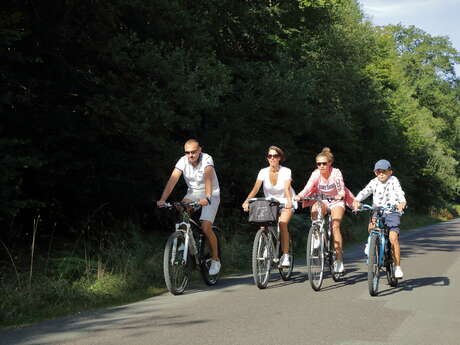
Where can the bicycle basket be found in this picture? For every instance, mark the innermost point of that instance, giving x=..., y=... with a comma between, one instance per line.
x=263, y=211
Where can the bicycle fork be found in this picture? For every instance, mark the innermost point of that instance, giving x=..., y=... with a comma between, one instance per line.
x=382, y=243
x=188, y=245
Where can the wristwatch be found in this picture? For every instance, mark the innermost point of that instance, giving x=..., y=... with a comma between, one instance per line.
x=208, y=198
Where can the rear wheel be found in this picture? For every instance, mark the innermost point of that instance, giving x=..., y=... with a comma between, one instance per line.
x=286, y=272
x=206, y=257
x=315, y=257
x=261, y=259
x=390, y=268
x=336, y=276
x=373, y=270
x=176, y=270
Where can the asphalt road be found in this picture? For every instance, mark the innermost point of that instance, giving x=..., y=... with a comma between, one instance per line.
x=423, y=309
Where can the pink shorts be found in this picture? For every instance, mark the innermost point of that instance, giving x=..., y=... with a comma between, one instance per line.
x=329, y=204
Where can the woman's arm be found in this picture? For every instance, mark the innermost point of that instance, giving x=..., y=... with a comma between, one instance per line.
x=287, y=193
x=252, y=194
x=312, y=181
x=339, y=184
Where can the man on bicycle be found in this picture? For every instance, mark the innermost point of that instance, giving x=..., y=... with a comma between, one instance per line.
x=386, y=190
x=203, y=187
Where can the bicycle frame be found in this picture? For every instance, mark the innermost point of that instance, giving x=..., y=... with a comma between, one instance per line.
x=322, y=219
x=185, y=226
x=274, y=235
x=382, y=237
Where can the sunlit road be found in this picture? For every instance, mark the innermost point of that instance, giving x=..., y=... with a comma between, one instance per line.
x=423, y=309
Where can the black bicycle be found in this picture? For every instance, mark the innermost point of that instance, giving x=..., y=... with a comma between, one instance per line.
x=320, y=245
x=187, y=248
x=381, y=255
x=266, y=250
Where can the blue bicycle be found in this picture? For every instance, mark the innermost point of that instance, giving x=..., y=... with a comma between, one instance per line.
x=380, y=257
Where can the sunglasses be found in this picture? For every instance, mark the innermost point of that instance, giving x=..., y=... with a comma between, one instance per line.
x=380, y=171
x=321, y=163
x=191, y=152
x=273, y=156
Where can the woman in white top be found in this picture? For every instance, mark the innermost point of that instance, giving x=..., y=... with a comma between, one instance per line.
x=276, y=180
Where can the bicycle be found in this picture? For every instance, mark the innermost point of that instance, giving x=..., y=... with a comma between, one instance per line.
x=266, y=250
x=380, y=249
x=320, y=245
x=187, y=248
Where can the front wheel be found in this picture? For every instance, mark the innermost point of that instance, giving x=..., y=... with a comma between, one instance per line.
x=315, y=257
x=175, y=268
x=286, y=272
x=373, y=269
x=261, y=259
x=206, y=257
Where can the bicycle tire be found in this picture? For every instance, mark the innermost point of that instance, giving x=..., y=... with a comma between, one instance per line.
x=286, y=272
x=205, y=259
x=261, y=259
x=390, y=268
x=373, y=269
x=315, y=259
x=176, y=271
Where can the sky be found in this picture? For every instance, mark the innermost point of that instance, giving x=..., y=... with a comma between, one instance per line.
x=436, y=17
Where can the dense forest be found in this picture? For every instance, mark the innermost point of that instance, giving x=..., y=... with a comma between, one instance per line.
x=97, y=98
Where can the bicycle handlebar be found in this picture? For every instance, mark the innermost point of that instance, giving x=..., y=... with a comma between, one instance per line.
x=273, y=200
x=366, y=207
x=319, y=197
x=173, y=204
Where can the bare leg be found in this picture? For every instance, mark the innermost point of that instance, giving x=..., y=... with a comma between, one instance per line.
x=285, y=217
x=337, y=215
x=206, y=227
x=394, y=240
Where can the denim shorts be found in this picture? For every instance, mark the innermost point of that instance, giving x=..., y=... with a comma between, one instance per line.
x=392, y=221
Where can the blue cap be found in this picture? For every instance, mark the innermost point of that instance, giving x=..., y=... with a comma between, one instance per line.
x=382, y=164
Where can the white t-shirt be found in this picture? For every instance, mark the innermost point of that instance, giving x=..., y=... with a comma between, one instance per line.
x=194, y=175
x=275, y=191
x=384, y=193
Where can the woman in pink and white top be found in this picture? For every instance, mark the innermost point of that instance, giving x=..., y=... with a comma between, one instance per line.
x=276, y=180
x=328, y=181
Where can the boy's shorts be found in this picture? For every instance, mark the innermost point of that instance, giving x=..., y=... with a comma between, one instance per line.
x=392, y=221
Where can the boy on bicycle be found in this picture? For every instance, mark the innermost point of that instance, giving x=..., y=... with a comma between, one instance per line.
x=203, y=187
x=386, y=190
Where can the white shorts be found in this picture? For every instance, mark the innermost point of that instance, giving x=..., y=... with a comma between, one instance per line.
x=207, y=212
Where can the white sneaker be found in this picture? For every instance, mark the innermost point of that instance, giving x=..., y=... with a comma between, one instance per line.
x=398, y=272
x=338, y=266
x=285, y=262
x=316, y=241
x=215, y=268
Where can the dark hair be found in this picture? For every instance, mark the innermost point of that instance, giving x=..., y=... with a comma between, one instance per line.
x=278, y=151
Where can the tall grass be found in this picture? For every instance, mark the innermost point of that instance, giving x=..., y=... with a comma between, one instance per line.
x=109, y=268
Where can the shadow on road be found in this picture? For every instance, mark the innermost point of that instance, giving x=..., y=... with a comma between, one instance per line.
x=410, y=284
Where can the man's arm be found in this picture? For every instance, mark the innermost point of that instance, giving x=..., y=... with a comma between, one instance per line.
x=175, y=176
x=208, y=172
